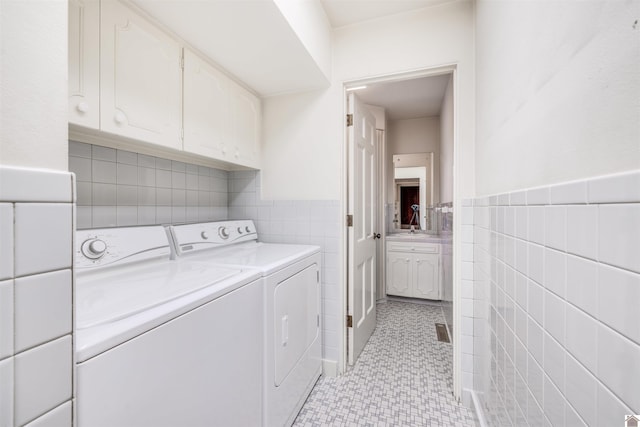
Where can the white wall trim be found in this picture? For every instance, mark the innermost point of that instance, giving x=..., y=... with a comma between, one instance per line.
x=329, y=368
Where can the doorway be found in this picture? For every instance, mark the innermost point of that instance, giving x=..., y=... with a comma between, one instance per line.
x=402, y=104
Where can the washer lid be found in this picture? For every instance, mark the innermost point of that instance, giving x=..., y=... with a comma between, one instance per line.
x=123, y=292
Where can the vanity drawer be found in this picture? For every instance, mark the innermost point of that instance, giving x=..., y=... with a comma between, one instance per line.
x=423, y=248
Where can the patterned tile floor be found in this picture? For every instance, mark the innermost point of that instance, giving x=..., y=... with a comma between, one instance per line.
x=402, y=378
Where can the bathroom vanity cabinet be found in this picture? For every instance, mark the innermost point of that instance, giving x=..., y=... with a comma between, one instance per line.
x=413, y=269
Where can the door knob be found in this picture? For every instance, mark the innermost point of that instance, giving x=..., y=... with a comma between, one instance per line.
x=376, y=235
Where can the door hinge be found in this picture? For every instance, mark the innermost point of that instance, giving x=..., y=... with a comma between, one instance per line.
x=182, y=134
x=317, y=276
x=182, y=59
x=349, y=119
x=318, y=320
x=349, y=220
x=349, y=321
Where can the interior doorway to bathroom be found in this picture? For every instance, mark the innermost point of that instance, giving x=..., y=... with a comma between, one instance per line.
x=414, y=116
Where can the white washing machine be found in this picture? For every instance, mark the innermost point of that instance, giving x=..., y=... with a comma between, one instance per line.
x=291, y=280
x=160, y=342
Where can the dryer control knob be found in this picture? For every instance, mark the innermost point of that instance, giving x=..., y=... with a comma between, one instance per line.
x=223, y=232
x=204, y=235
x=247, y=229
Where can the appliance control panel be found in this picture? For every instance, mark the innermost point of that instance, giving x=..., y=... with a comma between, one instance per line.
x=100, y=247
x=206, y=235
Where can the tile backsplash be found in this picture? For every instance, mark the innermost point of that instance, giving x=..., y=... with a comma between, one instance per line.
x=120, y=188
x=557, y=289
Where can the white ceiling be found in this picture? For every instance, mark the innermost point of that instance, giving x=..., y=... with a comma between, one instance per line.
x=250, y=39
x=347, y=12
x=407, y=99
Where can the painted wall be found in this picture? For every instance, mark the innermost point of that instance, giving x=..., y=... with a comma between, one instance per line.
x=446, y=146
x=33, y=84
x=558, y=101
x=304, y=133
x=310, y=23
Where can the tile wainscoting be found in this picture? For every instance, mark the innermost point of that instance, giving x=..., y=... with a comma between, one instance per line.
x=553, y=298
x=36, y=282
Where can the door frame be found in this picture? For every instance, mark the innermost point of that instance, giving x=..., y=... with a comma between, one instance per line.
x=457, y=208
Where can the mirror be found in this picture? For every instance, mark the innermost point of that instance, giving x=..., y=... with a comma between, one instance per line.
x=413, y=187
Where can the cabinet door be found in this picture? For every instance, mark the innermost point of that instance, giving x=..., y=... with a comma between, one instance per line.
x=207, y=114
x=399, y=274
x=426, y=276
x=141, y=78
x=247, y=116
x=84, y=63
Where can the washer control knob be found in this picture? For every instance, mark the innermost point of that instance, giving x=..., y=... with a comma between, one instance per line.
x=240, y=230
x=247, y=229
x=94, y=248
x=204, y=235
x=223, y=232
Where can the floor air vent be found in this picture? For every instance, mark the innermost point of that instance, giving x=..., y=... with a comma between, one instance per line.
x=441, y=332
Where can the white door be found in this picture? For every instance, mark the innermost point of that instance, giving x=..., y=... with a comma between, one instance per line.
x=140, y=78
x=362, y=234
x=399, y=274
x=426, y=274
x=84, y=63
x=206, y=102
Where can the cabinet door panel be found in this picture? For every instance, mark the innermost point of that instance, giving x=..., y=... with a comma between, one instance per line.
x=426, y=270
x=141, y=78
x=399, y=274
x=84, y=63
x=246, y=122
x=206, y=108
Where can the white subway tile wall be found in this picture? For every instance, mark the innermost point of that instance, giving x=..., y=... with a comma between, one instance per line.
x=575, y=331
x=303, y=222
x=36, y=281
x=120, y=188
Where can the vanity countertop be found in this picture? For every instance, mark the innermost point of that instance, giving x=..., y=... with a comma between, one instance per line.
x=405, y=236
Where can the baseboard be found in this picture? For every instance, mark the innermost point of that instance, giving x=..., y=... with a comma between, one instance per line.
x=474, y=403
x=329, y=368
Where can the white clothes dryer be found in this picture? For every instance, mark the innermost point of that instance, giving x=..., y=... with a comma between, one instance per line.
x=160, y=342
x=291, y=280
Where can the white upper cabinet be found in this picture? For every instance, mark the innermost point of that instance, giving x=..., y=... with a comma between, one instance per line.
x=247, y=119
x=129, y=78
x=140, y=78
x=207, y=116
x=84, y=63
x=221, y=119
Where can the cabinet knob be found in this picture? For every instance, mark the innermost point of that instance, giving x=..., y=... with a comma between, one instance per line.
x=82, y=107
x=119, y=117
